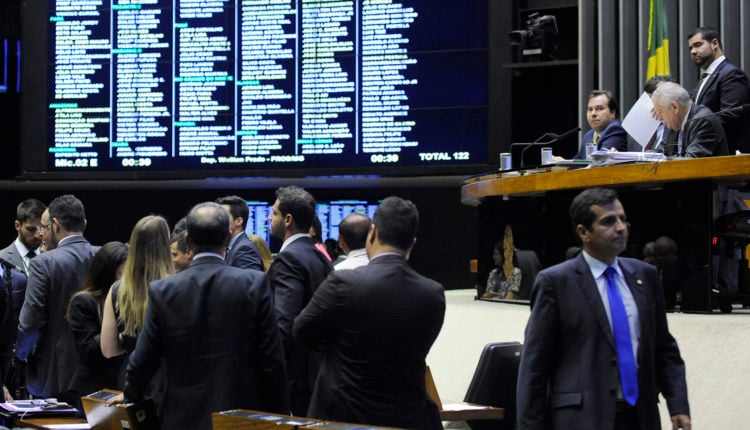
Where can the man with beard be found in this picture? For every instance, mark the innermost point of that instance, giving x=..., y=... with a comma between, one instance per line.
x=295, y=275
x=29, y=227
x=722, y=86
x=45, y=341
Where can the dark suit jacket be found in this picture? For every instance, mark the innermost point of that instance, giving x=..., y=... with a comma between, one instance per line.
x=702, y=137
x=93, y=372
x=568, y=376
x=11, y=300
x=214, y=328
x=10, y=253
x=244, y=254
x=725, y=88
x=377, y=324
x=54, y=277
x=295, y=275
x=613, y=136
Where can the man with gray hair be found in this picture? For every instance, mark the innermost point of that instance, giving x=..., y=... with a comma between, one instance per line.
x=693, y=130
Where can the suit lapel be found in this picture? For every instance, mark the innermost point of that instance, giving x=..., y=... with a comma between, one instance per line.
x=591, y=293
x=710, y=82
x=635, y=285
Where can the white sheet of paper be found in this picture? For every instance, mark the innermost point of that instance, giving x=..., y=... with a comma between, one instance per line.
x=639, y=123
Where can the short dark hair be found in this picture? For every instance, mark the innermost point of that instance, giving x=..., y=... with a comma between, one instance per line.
x=354, y=229
x=299, y=203
x=580, y=209
x=29, y=209
x=652, y=83
x=396, y=220
x=69, y=212
x=179, y=239
x=208, y=227
x=180, y=226
x=237, y=207
x=611, y=99
x=706, y=32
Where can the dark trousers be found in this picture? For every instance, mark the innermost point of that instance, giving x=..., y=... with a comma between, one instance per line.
x=625, y=417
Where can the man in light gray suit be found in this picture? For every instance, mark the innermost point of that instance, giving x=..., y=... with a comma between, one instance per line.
x=45, y=342
x=28, y=224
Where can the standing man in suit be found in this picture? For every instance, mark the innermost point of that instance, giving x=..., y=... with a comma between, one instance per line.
x=722, y=86
x=692, y=131
x=376, y=323
x=45, y=341
x=598, y=350
x=214, y=328
x=241, y=251
x=29, y=227
x=295, y=275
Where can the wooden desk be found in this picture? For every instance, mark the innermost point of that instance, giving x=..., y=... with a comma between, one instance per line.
x=729, y=168
x=52, y=423
x=661, y=199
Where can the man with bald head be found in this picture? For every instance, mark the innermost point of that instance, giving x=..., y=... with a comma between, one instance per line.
x=353, y=232
x=214, y=327
x=693, y=131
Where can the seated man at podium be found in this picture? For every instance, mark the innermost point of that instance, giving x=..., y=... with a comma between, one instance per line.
x=693, y=131
x=606, y=130
x=214, y=328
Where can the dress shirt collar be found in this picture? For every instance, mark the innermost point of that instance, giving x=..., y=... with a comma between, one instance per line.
x=356, y=253
x=66, y=238
x=207, y=255
x=23, y=250
x=384, y=254
x=234, y=240
x=714, y=64
x=291, y=239
x=598, y=267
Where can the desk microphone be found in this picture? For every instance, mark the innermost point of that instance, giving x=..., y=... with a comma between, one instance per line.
x=555, y=138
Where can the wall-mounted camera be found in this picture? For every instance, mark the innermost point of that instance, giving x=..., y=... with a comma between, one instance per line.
x=538, y=41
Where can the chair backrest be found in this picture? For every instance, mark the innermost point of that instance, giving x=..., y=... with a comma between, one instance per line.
x=530, y=265
x=494, y=382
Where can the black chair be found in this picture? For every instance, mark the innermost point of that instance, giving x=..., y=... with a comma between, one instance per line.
x=494, y=383
x=530, y=265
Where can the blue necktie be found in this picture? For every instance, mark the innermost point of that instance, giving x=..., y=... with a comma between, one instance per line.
x=621, y=329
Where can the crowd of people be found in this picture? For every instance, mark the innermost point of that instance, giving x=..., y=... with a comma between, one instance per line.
x=203, y=318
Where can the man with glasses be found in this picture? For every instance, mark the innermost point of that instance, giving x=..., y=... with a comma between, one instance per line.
x=45, y=341
x=29, y=227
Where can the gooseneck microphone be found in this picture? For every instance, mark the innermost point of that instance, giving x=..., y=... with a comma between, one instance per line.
x=554, y=138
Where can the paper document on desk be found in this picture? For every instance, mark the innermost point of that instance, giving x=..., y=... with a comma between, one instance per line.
x=604, y=158
x=639, y=123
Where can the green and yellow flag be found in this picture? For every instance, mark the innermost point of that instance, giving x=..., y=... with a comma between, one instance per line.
x=658, y=41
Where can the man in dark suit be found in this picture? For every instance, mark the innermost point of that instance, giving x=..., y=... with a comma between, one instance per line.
x=376, y=324
x=598, y=349
x=45, y=341
x=722, y=86
x=606, y=130
x=692, y=130
x=12, y=285
x=295, y=274
x=241, y=251
x=28, y=224
x=214, y=328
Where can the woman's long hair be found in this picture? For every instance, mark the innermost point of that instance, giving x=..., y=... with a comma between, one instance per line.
x=102, y=273
x=149, y=259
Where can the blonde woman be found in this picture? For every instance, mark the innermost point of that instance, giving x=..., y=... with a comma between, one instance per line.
x=149, y=259
x=265, y=253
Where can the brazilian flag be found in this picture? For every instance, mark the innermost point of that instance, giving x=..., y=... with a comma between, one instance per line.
x=658, y=41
